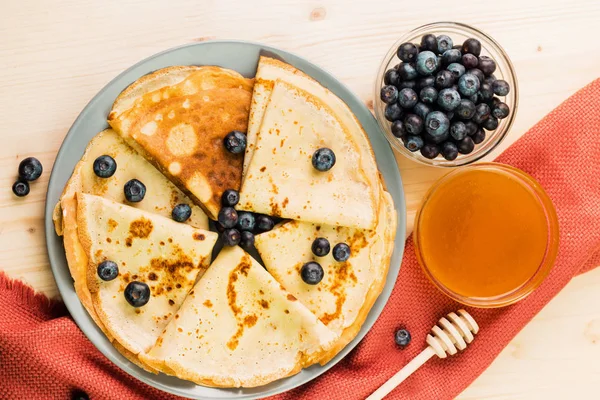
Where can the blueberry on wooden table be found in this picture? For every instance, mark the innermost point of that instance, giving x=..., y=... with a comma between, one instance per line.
x=402, y=337
x=430, y=151
x=414, y=143
x=312, y=273
x=407, y=52
x=105, y=166
x=427, y=63
x=413, y=124
x=181, y=212
x=323, y=159
x=235, y=142
x=449, y=151
x=230, y=197
x=134, y=191
x=341, y=252
x=107, y=270
x=389, y=94
x=137, y=293
x=227, y=217
x=30, y=169
x=320, y=247
x=231, y=237
x=20, y=188
x=246, y=221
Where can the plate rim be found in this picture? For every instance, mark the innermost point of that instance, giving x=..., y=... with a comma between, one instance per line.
x=88, y=327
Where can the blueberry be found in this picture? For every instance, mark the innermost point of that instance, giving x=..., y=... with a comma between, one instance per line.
x=485, y=92
x=425, y=81
x=482, y=112
x=407, y=71
x=428, y=95
x=491, y=123
x=407, y=98
x=500, y=111
x=389, y=94
x=134, y=191
x=413, y=143
x=107, y=270
x=501, y=87
x=444, y=42
x=30, y=169
x=398, y=129
x=430, y=151
x=312, y=273
x=407, y=52
x=470, y=61
x=465, y=109
x=458, y=130
x=393, y=112
x=451, y=56
x=429, y=42
x=477, y=72
x=235, y=142
x=421, y=109
x=490, y=79
x=230, y=197
x=493, y=102
x=476, y=98
x=449, y=151
x=391, y=77
x=105, y=166
x=471, y=128
x=20, y=188
x=246, y=221
x=402, y=337
x=231, y=237
x=413, y=124
x=323, y=159
x=137, y=293
x=264, y=223
x=437, y=125
x=479, y=136
x=341, y=252
x=468, y=84
x=427, y=63
x=320, y=247
x=457, y=70
x=444, y=79
x=412, y=84
x=181, y=212
x=227, y=217
x=246, y=240
x=466, y=145
x=448, y=99
x=486, y=65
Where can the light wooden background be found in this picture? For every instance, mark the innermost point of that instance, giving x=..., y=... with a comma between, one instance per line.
x=55, y=55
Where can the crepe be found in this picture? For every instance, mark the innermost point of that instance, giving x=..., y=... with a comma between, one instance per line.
x=161, y=195
x=281, y=179
x=177, y=118
x=166, y=255
x=239, y=328
x=348, y=290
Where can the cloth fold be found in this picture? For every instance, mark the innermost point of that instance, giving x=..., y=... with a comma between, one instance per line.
x=44, y=355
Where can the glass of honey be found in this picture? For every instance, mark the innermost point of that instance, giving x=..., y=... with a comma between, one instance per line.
x=486, y=235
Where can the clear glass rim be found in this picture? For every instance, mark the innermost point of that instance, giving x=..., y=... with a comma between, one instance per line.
x=543, y=269
x=485, y=148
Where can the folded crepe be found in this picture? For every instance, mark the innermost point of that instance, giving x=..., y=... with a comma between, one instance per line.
x=177, y=118
x=281, y=180
x=348, y=290
x=239, y=328
x=166, y=255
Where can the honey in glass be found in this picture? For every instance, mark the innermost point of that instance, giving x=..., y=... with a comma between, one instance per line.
x=486, y=235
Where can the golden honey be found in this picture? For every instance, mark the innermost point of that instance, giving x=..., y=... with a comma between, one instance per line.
x=486, y=235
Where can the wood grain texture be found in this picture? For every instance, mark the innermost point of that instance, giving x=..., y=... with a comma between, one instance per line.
x=54, y=56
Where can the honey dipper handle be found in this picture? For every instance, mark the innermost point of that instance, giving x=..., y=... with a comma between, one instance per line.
x=401, y=375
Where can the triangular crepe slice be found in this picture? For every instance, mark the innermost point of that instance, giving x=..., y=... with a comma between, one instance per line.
x=348, y=290
x=281, y=179
x=177, y=118
x=166, y=255
x=270, y=70
x=239, y=328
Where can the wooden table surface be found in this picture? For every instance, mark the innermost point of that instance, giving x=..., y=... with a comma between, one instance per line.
x=55, y=55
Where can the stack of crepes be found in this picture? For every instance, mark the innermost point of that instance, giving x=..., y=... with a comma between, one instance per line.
x=229, y=323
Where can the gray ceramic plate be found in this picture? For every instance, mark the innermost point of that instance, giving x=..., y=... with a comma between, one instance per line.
x=242, y=57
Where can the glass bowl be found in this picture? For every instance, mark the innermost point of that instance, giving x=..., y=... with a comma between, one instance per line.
x=546, y=263
x=504, y=70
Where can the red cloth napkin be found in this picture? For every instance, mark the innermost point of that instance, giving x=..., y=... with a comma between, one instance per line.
x=44, y=355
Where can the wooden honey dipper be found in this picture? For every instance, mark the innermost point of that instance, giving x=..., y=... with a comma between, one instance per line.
x=452, y=333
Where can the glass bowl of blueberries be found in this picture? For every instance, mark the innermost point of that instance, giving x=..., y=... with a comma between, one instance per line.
x=446, y=94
